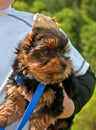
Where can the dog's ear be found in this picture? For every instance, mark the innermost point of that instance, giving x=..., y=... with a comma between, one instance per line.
x=30, y=41
x=25, y=45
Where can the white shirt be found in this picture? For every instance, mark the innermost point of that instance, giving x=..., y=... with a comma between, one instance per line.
x=79, y=65
x=14, y=25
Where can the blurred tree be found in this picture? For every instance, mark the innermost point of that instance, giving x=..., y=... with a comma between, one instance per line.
x=54, y=5
x=30, y=6
x=20, y=5
x=88, y=41
x=90, y=7
x=68, y=23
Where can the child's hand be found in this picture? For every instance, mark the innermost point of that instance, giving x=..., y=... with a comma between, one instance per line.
x=44, y=21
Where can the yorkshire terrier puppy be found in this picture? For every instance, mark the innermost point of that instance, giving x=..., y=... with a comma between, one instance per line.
x=40, y=55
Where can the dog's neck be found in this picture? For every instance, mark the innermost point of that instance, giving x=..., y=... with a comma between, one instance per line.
x=21, y=78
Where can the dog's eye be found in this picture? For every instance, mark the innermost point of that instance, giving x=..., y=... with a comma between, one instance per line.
x=46, y=52
x=62, y=51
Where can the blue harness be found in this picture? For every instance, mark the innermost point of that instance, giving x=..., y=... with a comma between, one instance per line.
x=34, y=101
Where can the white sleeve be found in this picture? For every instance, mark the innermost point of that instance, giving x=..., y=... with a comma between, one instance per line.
x=79, y=65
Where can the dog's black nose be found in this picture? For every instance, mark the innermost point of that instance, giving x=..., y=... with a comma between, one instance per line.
x=63, y=65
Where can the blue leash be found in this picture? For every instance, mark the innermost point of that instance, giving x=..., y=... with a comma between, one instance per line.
x=34, y=101
x=31, y=106
x=1, y=128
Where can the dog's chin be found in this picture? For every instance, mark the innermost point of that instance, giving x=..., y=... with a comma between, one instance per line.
x=51, y=78
x=49, y=75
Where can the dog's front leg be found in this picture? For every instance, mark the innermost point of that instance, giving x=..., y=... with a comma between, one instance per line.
x=13, y=108
x=40, y=121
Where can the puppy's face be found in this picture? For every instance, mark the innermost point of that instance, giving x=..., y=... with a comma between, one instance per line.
x=42, y=54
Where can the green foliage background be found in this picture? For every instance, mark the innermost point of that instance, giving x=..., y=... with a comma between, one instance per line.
x=78, y=20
